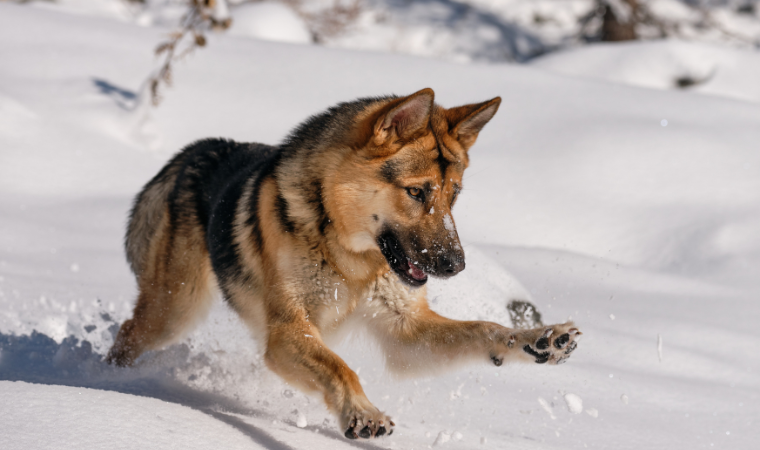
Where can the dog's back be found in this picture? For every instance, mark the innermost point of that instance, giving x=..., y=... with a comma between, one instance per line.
x=187, y=188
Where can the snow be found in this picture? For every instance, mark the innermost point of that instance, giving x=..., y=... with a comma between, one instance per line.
x=574, y=403
x=577, y=199
x=270, y=21
x=301, y=421
x=442, y=438
x=659, y=348
x=547, y=407
x=448, y=223
x=62, y=417
x=705, y=68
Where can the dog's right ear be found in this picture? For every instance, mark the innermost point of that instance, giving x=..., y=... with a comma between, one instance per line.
x=404, y=117
x=465, y=122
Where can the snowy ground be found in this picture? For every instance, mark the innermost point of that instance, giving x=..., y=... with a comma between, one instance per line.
x=634, y=210
x=452, y=30
x=702, y=68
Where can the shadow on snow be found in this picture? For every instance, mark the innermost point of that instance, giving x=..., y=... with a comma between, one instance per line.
x=37, y=358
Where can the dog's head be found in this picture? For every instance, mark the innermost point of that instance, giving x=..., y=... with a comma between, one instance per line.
x=401, y=181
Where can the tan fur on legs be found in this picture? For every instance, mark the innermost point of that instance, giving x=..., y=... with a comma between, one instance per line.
x=417, y=340
x=174, y=295
x=296, y=352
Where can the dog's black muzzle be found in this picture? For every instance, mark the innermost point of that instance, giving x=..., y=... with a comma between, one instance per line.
x=413, y=272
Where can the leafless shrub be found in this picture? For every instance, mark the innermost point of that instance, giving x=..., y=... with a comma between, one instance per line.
x=198, y=20
x=323, y=22
x=25, y=1
x=624, y=20
x=327, y=21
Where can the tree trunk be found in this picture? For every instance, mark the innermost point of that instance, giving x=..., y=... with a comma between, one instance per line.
x=619, y=20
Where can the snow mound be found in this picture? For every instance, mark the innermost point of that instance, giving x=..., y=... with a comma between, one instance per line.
x=38, y=416
x=481, y=293
x=269, y=21
x=703, y=68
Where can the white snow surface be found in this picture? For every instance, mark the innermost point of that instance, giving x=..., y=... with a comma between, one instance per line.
x=713, y=69
x=270, y=21
x=63, y=417
x=577, y=198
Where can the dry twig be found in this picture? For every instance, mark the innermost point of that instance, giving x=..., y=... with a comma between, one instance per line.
x=194, y=24
x=329, y=21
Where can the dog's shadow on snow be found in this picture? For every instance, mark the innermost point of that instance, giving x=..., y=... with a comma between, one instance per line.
x=37, y=358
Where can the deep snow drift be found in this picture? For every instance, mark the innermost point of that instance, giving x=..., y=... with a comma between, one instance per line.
x=635, y=211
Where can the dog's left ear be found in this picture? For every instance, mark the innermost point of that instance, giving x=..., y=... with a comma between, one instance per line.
x=405, y=117
x=465, y=122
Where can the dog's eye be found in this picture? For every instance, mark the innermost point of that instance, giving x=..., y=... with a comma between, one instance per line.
x=416, y=193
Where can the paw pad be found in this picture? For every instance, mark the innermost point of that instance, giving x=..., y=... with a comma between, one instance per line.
x=542, y=349
x=540, y=357
x=562, y=341
x=364, y=428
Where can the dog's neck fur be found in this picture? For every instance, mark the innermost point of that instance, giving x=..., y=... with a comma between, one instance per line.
x=308, y=163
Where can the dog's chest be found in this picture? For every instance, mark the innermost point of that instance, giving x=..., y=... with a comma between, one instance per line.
x=338, y=301
x=335, y=301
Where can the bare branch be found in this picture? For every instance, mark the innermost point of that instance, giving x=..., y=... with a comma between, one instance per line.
x=193, y=25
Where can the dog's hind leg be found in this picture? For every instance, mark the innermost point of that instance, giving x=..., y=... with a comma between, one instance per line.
x=174, y=295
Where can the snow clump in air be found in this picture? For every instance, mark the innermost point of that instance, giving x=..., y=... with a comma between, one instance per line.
x=442, y=438
x=574, y=403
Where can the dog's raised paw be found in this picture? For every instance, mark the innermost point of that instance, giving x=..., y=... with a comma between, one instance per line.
x=552, y=344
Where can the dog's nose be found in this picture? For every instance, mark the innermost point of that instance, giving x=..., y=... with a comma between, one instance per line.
x=448, y=266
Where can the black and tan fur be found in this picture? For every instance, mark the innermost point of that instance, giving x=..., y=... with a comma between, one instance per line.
x=344, y=220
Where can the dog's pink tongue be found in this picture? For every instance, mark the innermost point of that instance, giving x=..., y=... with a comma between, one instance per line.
x=415, y=272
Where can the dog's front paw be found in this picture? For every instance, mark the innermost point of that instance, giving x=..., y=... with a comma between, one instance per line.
x=552, y=344
x=367, y=423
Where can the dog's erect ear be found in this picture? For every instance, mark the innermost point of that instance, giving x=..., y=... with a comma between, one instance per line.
x=465, y=122
x=406, y=117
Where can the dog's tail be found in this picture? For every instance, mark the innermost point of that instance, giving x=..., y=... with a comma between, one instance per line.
x=149, y=211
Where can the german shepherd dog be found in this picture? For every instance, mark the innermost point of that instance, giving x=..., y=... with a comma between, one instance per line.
x=346, y=218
